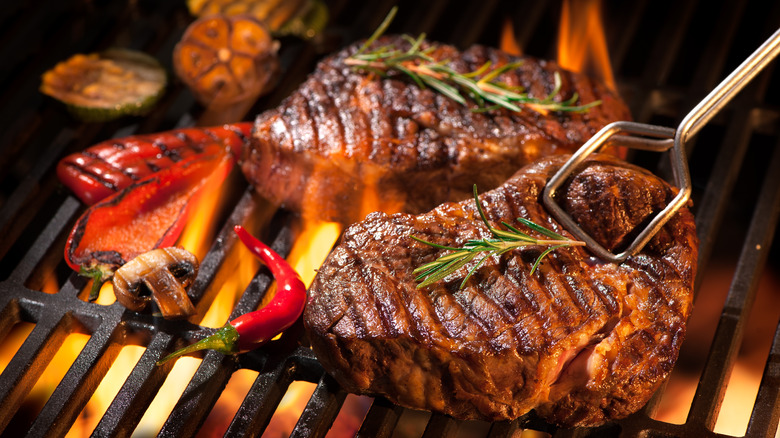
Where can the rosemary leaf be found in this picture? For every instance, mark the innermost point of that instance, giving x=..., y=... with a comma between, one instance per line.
x=444, y=88
x=414, y=77
x=544, y=253
x=481, y=85
x=379, y=30
x=540, y=229
x=480, y=72
x=502, y=242
x=496, y=72
x=446, y=269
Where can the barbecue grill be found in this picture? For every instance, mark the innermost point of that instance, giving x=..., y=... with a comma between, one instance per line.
x=666, y=56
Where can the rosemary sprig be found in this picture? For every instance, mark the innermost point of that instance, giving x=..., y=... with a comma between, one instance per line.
x=502, y=242
x=480, y=85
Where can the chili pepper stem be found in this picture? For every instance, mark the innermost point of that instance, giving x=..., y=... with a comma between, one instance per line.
x=223, y=340
x=253, y=329
x=99, y=275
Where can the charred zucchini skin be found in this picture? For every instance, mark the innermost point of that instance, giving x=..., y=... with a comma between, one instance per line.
x=99, y=115
x=61, y=86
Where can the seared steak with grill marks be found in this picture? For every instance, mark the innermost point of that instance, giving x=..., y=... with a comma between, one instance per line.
x=581, y=341
x=344, y=133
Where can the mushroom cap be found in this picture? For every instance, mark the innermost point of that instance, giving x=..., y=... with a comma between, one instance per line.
x=162, y=274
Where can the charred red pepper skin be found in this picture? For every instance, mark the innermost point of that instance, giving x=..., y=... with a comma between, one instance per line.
x=110, y=166
x=146, y=215
x=253, y=329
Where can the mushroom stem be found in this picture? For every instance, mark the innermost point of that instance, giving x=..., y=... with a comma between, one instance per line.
x=169, y=294
x=162, y=275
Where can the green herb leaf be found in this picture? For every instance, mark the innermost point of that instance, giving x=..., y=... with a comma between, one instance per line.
x=481, y=85
x=503, y=242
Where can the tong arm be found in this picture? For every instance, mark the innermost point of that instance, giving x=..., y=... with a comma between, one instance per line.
x=637, y=136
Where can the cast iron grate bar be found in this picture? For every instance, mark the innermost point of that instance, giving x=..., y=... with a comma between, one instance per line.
x=64, y=216
x=276, y=372
x=752, y=260
x=766, y=413
x=137, y=392
x=728, y=335
x=78, y=384
x=381, y=419
x=215, y=369
x=321, y=410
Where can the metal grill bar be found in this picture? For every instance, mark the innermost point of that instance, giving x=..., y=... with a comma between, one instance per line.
x=255, y=412
x=766, y=414
x=79, y=382
x=321, y=410
x=739, y=301
x=137, y=392
x=380, y=419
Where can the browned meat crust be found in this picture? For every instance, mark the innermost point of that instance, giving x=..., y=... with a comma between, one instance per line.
x=349, y=143
x=581, y=341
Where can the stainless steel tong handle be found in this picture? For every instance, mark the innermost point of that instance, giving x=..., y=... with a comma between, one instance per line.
x=658, y=138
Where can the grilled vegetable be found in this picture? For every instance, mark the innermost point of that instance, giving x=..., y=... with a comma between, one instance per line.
x=104, y=86
x=162, y=275
x=112, y=165
x=253, y=329
x=146, y=215
x=302, y=18
x=226, y=59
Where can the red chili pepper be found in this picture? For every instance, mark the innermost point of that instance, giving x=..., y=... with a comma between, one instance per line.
x=253, y=329
x=110, y=166
x=146, y=215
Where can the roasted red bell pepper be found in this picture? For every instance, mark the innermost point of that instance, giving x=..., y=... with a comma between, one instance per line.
x=110, y=166
x=148, y=214
x=253, y=329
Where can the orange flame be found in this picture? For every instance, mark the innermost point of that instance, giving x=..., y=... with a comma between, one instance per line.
x=508, y=42
x=196, y=237
x=582, y=46
x=201, y=226
x=312, y=245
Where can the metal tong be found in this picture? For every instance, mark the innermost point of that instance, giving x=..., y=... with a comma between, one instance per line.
x=659, y=139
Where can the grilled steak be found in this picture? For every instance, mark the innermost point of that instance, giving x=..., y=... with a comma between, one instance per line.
x=580, y=340
x=347, y=143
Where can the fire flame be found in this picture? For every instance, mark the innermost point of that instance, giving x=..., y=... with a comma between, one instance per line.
x=312, y=245
x=508, y=42
x=197, y=237
x=582, y=46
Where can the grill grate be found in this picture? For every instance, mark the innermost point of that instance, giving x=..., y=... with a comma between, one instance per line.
x=666, y=56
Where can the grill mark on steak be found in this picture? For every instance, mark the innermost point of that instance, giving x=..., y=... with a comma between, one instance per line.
x=347, y=143
x=581, y=341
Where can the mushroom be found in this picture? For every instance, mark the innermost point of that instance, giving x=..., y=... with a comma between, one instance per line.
x=162, y=274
